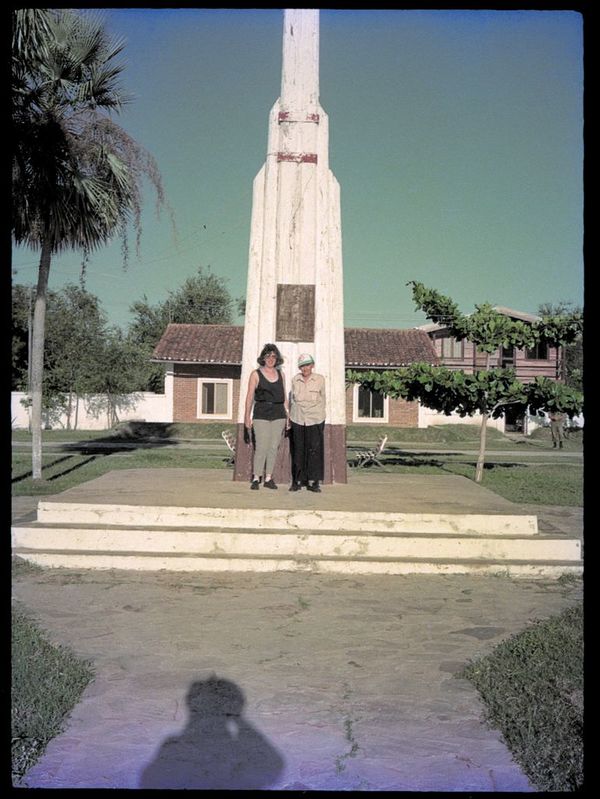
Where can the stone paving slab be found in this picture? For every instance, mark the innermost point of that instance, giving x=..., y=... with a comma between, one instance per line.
x=405, y=493
x=281, y=681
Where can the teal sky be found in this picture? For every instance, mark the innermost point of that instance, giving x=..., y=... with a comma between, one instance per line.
x=456, y=137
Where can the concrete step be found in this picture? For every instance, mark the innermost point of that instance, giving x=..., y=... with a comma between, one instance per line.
x=285, y=519
x=349, y=552
x=91, y=535
x=286, y=543
x=198, y=563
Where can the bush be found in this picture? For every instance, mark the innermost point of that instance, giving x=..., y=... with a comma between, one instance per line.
x=532, y=686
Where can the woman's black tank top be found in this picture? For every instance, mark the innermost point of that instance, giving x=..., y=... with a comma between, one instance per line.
x=269, y=398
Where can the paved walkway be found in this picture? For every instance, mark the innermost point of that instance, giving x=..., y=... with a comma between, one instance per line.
x=289, y=681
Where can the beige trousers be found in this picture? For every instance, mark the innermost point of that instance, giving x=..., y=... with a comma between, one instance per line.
x=267, y=436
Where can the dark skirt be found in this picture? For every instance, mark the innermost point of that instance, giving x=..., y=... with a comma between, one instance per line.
x=307, y=452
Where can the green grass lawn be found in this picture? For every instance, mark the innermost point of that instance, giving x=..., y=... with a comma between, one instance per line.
x=535, y=484
x=56, y=436
x=46, y=683
x=532, y=688
x=134, y=431
x=519, y=480
x=451, y=435
x=62, y=470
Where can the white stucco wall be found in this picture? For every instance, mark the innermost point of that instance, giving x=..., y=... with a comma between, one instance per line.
x=92, y=415
x=428, y=418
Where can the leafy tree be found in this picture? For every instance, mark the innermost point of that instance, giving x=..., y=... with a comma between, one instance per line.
x=489, y=329
x=22, y=306
x=75, y=331
x=572, y=361
x=487, y=391
x=76, y=175
x=203, y=300
x=119, y=369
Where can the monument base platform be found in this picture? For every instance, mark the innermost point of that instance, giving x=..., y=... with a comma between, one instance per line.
x=202, y=520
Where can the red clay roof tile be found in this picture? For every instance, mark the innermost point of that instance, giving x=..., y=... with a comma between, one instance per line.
x=365, y=347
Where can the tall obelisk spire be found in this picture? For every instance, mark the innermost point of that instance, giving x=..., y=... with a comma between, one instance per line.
x=295, y=292
x=300, y=64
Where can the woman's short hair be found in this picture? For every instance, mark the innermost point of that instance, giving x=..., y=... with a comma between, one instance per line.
x=266, y=350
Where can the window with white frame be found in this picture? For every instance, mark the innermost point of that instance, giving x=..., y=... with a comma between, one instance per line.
x=452, y=348
x=215, y=398
x=369, y=406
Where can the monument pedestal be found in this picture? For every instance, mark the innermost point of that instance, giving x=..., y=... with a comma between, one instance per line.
x=199, y=520
x=335, y=457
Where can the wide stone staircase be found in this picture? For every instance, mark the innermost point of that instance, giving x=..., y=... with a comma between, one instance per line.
x=94, y=535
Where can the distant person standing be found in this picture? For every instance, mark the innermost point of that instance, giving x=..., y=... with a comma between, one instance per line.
x=557, y=423
x=307, y=417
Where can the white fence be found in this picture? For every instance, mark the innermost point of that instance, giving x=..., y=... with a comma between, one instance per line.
x=91, y=412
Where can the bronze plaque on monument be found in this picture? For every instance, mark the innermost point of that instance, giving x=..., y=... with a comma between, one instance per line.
x=295, y=312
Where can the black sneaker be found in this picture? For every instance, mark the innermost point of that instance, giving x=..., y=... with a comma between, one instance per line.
x=254, y=485
x=295, y=486
x=314, y=487
x=269, y=483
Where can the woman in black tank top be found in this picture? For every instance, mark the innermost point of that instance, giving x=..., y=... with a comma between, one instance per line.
x=269, y=398
x=267, y=413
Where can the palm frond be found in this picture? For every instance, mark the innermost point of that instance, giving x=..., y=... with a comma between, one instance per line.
x=77, y=175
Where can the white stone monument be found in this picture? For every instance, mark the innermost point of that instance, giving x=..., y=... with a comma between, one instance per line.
x=295, y=290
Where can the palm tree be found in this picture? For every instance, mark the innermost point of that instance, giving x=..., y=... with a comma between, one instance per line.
x=77, y=175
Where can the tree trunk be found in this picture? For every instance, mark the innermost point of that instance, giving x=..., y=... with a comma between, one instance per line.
x=483, y=433
x=37, y=361
x=481, y=456
x=70, y=409
x=111, y=410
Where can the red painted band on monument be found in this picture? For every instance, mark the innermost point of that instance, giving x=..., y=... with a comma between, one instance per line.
x=286, y=116
x=298, y=158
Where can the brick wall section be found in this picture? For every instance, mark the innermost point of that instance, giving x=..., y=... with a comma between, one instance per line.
x=185, y=389
x=185, y=396
x=401, y=413
x=349, y=394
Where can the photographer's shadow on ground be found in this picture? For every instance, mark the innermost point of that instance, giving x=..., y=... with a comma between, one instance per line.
x=218, y=748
